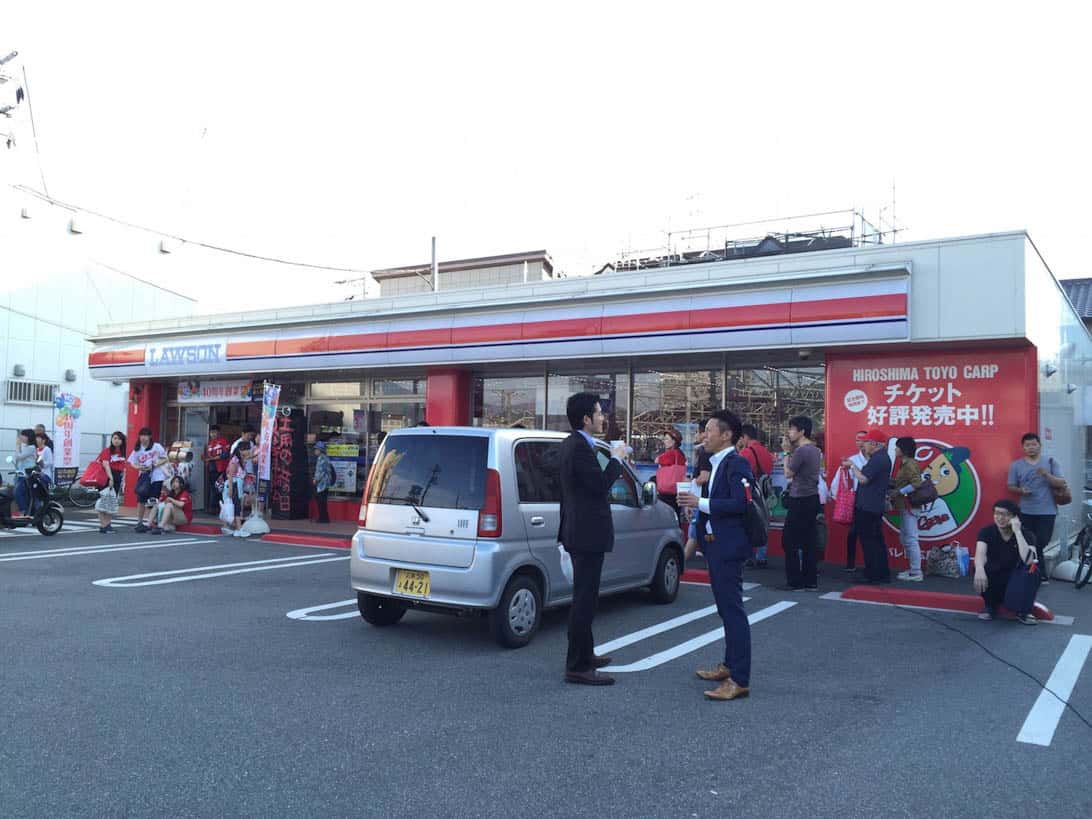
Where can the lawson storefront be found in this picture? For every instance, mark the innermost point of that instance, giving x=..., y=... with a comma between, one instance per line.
x=963, y=343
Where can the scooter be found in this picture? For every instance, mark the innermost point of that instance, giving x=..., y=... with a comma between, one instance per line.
x=46, y=515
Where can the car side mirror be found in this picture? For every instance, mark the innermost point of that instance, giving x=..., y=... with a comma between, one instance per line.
x=648, y=493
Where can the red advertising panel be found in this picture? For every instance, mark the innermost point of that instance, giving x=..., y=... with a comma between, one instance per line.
x=966, y=410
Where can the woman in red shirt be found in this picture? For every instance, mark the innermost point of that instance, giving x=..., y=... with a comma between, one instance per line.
x=113, y=460
x=175, y=507
x=672, y=456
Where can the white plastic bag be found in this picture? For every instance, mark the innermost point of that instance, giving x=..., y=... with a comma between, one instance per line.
x=566, y=563
x=227, y=511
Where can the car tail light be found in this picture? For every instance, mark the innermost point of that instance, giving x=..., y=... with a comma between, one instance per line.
x=489, y=520
x=362, y=518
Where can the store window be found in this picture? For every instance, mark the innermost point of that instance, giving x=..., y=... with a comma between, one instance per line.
x=671, y=399
x=393, y=388
x=337, y=389
x=612, y=389
x=505, y=402
x=340, y=426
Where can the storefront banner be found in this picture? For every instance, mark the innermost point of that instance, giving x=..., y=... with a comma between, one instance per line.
x=271, y=397
x=67, y=408
x=290, y=483
x=344, y=457
x=215, y=392
x=966, y=412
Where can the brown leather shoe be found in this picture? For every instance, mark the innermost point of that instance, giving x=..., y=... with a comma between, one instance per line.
x=727, y=690
x=591, y=677
x=601, y=662
x=718, y=674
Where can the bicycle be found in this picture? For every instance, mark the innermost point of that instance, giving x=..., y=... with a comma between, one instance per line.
x=1084, y=557
x=82, y=496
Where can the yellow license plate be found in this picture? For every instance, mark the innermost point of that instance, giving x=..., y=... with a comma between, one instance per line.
x=415, y=584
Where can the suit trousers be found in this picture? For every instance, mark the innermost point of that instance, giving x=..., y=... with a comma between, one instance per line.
x=726, y=580
x=797, y=536
x=587, y=570
x=869, y=527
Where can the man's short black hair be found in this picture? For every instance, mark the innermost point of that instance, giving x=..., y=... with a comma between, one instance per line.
x=750, y=430
x=579, y=405
x=728, y=422
x=802, y=423
x=906, y=445
x=1007, y=505
x=701, y=424
x=249, y=428
x=1029, y=436
x=213, y=428
x=423, y=424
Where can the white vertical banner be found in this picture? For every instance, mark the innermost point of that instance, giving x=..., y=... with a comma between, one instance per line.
x=271, y=397
x=67, y=408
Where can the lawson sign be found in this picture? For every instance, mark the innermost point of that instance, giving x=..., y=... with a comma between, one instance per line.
x=186, y=354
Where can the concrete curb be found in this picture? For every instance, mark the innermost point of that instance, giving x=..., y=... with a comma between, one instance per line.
x=970, y=603
x=324, y=541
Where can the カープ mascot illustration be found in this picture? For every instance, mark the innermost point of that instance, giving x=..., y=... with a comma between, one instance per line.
x=950, y=475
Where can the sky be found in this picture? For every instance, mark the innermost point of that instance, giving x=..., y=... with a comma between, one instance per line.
x=349, y=136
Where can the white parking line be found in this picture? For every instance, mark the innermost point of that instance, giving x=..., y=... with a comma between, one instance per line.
x=305, y=614
x=1043, y=719
x=76, y=551
x=209, y=572
x=697, y=642
x=659, y=628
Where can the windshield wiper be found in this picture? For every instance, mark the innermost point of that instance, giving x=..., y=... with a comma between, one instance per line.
x=407, y=502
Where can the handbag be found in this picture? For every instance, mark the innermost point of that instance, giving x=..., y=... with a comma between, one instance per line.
x=107, y=502
x=668, y=476
x=924, y=494
x=846, y=498
x=1023, y=586
x=1062, y=495
x=144, y=485
x=94, y=476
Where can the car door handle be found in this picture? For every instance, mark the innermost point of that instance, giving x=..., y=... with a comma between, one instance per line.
x=538, y=520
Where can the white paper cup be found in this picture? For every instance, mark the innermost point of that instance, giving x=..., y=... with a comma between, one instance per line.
x=684, y=486
x=617, y=444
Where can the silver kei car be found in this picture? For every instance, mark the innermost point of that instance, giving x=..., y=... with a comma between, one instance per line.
x=465, y=520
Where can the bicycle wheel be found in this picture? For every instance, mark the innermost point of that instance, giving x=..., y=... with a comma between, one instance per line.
x=82, y=496
x=1084, y=567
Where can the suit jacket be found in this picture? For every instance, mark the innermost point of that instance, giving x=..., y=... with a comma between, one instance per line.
x=727, y=505
x=586, y=524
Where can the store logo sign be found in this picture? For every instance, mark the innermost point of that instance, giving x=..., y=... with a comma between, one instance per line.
x=186, y=355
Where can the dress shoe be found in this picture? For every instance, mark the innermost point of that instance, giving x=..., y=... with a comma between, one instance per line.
x=601, y=662
x=727, y=690
x=590, y=677
x=718, y=674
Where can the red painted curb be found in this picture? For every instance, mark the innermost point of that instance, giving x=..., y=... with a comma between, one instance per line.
x=308, y=540
x=695, y=576
x=970, y=603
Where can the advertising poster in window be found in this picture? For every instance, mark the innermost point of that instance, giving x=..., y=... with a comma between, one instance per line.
x=344, y=460
x=966, y=412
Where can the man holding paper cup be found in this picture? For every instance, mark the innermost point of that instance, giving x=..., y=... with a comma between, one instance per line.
x=587, y=530
x=724, y=542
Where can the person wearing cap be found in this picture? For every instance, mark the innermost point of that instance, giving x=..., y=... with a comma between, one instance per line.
x=859, y=460
x=671, y=456
x=322, y=481
x=872, y=484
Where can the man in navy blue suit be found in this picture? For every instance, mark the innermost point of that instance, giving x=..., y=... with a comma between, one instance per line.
x=720, y=529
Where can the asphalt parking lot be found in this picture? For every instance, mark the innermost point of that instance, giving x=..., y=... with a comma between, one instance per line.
x=198, y=676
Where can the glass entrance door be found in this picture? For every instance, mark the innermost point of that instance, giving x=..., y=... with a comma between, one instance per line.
x=195, y=428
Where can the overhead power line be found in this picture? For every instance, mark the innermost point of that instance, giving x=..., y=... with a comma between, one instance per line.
x=218, y=248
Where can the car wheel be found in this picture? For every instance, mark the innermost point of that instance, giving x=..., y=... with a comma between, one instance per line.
x=51, y=522
x=665, y=582
x=516, y=618
x=379, y=611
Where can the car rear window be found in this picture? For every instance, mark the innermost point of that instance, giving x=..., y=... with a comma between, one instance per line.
x=436, y=471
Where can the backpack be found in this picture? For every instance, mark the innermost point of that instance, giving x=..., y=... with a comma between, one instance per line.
x=331, y=473
x=763, y=484
x=756, y=517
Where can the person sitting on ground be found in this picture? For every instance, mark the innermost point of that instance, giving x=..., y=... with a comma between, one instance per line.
x=1002, y=547
x=175, y=507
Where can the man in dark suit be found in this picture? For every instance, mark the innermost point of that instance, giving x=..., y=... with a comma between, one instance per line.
x=586, y=531
x=720, y=530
